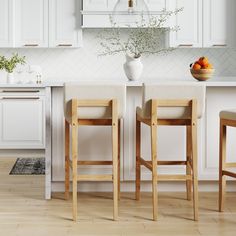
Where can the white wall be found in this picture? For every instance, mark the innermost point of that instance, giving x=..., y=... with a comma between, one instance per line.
x=84, y=63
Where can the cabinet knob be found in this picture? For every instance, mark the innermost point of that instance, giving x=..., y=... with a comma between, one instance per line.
x=64, y=45
x=219, y=45
x=185, y=45
x=31, y=45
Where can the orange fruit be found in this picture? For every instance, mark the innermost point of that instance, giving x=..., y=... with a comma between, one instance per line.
x=208, y=66
x=196, y=66
x=203, y=61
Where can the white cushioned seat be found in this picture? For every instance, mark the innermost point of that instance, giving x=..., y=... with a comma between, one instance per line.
x=172, y=91
x=228, y=114
x=94, y=91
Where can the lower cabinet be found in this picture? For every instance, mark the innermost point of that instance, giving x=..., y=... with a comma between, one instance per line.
x=22, y=119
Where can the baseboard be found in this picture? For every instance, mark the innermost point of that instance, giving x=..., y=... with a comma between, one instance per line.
x=204, y=186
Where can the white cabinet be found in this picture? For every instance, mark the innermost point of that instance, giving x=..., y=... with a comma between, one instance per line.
x=190, y=24
x=22, y=119
x=64, y=23
x=160, y=5
x=219, y=23
x=98, y=5
x=6, y=23
x=31, y=23
x=40, y=23
x=96, y=13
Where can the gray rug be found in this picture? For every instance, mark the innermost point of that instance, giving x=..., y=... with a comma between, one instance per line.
x=29, y=166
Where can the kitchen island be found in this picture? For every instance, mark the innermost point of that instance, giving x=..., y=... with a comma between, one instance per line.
x=220, y=94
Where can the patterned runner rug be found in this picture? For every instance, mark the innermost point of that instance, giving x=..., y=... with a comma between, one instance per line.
x=29, y=166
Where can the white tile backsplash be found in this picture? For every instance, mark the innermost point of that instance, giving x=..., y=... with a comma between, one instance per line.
x=83, y=63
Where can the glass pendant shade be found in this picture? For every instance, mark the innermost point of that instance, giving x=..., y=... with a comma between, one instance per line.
x=130, y=12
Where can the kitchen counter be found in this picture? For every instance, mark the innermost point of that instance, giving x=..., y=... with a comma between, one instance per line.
x=59, y=82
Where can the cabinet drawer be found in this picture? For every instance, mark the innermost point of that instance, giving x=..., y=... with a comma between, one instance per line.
x=22, y=92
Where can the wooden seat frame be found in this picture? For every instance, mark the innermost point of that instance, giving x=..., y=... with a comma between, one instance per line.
x=74, y=124
x=223, y=165
x=191, y=176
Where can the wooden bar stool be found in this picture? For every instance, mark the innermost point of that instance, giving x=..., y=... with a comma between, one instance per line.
x=93, y=105
x=227, y=118
x=168, y=104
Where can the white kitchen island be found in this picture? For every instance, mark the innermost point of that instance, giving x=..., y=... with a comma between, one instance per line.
x=220, y=94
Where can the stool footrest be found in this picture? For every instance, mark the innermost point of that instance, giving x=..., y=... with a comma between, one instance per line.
x=94, y=177
x=230, y=164
x=91, y=163
x=229, y=173
x=173, y=177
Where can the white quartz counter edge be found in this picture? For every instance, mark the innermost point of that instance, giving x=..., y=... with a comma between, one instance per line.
x=214, y=82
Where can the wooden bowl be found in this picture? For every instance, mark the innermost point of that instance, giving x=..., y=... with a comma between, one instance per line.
x=202, y=74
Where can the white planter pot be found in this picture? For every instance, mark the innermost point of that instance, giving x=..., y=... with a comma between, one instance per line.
x=10, y=78
x=133, y=68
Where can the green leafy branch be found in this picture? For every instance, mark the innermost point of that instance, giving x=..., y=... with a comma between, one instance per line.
x=145, y=38
x=10, y=64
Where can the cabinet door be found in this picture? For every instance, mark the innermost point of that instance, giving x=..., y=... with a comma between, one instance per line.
x=64, y=24
x=6, y=23
x=31, y=21
x=22, y=122
x=218, y=23
x=98, y=5
x=189, y=22
x=160, y=5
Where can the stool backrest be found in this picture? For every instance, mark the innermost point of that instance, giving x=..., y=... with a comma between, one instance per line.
x=94, y=91
x=172, y=91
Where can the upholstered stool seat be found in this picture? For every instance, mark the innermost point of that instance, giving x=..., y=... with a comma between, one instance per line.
x=179, y=104
x=228, y=114
x=92, y=104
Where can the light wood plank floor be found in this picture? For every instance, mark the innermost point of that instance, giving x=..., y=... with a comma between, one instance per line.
x=24, y=212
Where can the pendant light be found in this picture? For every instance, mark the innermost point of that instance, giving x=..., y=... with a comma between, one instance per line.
x=130, y=12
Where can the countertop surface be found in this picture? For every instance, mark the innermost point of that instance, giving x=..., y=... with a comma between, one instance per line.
x=59, y=82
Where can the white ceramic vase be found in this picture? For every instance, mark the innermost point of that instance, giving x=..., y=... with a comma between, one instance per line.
x=133, y=68
x=10, y=78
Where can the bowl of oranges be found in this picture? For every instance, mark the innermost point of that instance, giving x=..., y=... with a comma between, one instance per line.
x=202, y=69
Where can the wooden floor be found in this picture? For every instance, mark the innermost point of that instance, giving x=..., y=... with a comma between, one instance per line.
x=23, y=211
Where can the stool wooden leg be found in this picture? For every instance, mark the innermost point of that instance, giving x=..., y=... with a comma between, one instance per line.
x=189, y=159
x=154, y=156
x=119, y=160
x=138, y=166
x=67, y=160
x=222, y=179
x=74, y=170
x=195, y=169
x=154, y=170
x=115, y=157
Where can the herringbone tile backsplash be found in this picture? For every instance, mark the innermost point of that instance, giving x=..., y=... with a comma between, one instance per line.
x=84, y=64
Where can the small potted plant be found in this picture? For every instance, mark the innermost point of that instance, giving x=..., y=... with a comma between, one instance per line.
x=10, y=64
x=145, y=38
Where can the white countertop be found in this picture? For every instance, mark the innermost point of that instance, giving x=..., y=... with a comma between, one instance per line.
x=59, y=82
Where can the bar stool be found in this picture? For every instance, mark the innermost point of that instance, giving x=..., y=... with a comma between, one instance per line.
x=170, y=104
x=227, y=118
x=93, y=105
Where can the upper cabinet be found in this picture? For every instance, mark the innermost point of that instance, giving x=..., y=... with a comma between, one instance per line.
x=6, y=23
x=97, y=13
x=64, y=23
x=40, y=23
x=219, y=23
x=31, y=23
x=98, y=5
x=190, y=24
